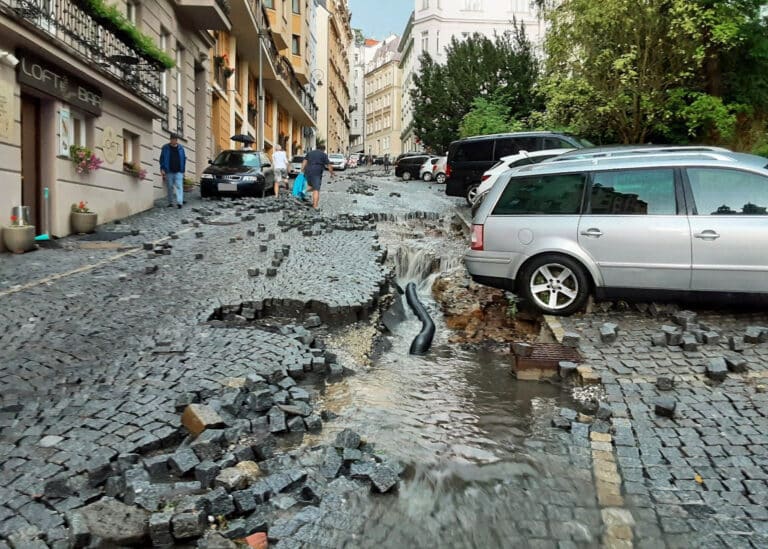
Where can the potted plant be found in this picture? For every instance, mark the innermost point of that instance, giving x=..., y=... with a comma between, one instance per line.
x=18, y=238
x=189, y=184
x=223, y=62
x=84, y=159
x=83, y=219
x=135, y=169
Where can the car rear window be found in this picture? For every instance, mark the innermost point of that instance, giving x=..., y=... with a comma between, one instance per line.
x=237, y=159
x=296, y=159
x=720, y=191
x=557, y=194
x=474, y=151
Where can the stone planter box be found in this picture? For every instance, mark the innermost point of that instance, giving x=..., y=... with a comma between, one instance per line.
x=19, y=239
x=83, y=223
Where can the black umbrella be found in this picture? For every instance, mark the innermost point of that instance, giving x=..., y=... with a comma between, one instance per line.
x=243, y=138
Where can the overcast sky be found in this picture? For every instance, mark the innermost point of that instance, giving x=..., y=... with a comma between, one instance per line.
x=380, y=18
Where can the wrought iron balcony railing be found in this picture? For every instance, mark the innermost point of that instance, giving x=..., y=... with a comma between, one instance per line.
x=86, y=36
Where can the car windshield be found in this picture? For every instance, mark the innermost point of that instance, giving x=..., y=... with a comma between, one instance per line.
x=297, y=159
x=237, y=159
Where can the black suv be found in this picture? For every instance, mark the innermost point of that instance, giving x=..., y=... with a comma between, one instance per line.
x=238, y=173
x=409, y=167
x=469, y=158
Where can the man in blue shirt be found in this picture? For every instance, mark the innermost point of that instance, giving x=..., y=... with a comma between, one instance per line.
x=173, y=163
x=314, y=164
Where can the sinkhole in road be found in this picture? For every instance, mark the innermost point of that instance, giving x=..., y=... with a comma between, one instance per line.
x=477, y=444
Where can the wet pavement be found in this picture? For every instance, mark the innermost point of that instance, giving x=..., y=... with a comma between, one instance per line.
x=100, y=348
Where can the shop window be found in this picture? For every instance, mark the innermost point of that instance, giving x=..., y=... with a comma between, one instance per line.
x=73, y=130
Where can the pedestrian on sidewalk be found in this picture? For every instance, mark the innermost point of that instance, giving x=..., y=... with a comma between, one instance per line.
x=314, y=163
x=280, y=165
x=173, y=163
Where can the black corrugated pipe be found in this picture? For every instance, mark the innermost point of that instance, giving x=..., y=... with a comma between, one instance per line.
x=423, y=341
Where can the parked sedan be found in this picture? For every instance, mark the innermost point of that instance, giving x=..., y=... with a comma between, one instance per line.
x=295, y=166
x=338, y=161
x=409, y=167
x=427, y=168
x=643, y=226
x=238, y=173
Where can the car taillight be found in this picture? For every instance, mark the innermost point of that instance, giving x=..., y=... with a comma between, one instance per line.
x=485, y=176
x=447, y=171
x=477, y=238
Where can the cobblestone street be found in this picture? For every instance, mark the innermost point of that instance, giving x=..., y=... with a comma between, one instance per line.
x=233, y=307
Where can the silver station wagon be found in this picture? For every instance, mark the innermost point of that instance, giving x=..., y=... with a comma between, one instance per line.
x=636, y=226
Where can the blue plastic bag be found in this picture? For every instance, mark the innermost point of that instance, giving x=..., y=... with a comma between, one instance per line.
x=299, y=186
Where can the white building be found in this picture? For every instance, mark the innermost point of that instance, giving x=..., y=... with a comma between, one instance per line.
x=434, y=23
x=361, y=53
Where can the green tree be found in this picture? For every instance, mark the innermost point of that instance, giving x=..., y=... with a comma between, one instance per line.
x=494, y=77
x=486, y=117
x=633, y=70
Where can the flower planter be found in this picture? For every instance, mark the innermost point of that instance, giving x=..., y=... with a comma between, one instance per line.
x=19, y=238
x=83, y=223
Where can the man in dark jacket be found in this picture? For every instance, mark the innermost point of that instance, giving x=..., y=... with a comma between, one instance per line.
x=173, y=163
x=314, y=163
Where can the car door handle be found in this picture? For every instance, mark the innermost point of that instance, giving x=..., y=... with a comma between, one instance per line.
x=597, y=233
x=707, y=235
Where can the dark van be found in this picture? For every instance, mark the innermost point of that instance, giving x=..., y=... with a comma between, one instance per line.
x=469, y=158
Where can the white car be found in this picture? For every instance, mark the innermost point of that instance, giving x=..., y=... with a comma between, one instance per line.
x=425, y=172
x=523, y=158
x=338, y=161
x=434, y=169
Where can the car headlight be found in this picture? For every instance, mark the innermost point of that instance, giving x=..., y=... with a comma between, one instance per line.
x=206, y=176
x=248, y=179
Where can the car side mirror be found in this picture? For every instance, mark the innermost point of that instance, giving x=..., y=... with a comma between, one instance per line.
x=210, y=161
x=266, y=165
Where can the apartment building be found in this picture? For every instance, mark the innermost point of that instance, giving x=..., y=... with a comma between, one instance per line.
x=71, y=80
x=361, y=54
x=269, y=42
x=434, y=23
x=334, y=36
x=383, y=96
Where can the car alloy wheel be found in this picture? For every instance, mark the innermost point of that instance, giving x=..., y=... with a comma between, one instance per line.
x=406, y=176
x=440, y=178
x=472, y=194
x=427, y=176
x=555, y=284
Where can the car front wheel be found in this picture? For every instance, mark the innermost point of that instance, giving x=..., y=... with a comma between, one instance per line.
x=406, y=176
x=555, y=284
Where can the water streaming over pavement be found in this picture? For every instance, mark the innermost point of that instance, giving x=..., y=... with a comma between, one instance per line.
x=484, y=466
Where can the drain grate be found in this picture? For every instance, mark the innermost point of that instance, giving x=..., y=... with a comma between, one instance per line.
x=541, y=360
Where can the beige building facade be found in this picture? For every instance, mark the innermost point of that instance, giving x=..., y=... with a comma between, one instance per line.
x=71, y=82
x=334, y=36
x=383, y=101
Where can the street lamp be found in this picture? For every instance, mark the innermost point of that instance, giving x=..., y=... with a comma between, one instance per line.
x=319, y=74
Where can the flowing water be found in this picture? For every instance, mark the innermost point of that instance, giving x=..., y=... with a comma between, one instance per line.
x=484, y=466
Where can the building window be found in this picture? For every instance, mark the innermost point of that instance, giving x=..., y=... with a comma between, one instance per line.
x=473, y=5
x=269, y=4
x=424, y=41
x=425, y=4
x=131, y=152
x=296, y=44
x=78, y=129
x=437, y=42
x=131, y=12
x=296, y=6
x=180, y=76
x=164, y=40
x=520, y=6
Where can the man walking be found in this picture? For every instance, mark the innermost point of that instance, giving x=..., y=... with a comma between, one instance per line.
x=280, y=165
x=173, y=163
x=314, y=164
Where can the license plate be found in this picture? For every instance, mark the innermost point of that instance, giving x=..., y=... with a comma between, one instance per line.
x=227, y=187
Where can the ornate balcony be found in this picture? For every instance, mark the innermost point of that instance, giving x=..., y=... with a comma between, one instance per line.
x=94, y=41
x=204, y=14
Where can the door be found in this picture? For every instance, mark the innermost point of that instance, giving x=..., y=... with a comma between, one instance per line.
x=472, y=159
x=729, y=229
x=635, y=231
x=31, y=187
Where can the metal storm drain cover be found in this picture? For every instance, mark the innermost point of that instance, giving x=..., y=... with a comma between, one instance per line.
x=541, y=360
